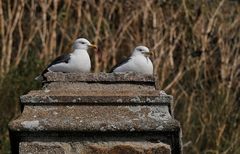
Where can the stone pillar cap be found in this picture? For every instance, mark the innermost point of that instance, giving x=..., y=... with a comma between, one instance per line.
x=98, y=77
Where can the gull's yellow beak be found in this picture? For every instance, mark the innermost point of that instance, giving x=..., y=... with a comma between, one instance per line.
x=93, y=46
x=148, y=53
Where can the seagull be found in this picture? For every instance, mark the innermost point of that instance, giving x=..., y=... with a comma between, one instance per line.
x=77, y=61
x=138, y=62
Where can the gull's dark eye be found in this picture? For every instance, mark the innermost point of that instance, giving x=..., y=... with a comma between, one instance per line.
x=82, y=42
x=140, y=50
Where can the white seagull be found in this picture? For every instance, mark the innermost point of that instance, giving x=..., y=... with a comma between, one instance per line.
x=77, y=61
x=138, y=62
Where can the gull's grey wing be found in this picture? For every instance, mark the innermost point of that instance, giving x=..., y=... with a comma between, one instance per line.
x=119, y=64
x=61, y=59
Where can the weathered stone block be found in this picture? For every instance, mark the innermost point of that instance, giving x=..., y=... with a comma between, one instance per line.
x=112, y=147
x=100, y=118
x=96, y=113
x=100, y=81
x=99, y=77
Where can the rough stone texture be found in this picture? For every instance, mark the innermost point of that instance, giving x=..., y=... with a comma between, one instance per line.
x=96, y=113
x=89, y=86
x=131, y=78
x=95, y=118
x=112, y=147
x=99, y=77
x=43, y=148
x=95, y=96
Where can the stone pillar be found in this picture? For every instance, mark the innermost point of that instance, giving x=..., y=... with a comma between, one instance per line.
x=101, y=113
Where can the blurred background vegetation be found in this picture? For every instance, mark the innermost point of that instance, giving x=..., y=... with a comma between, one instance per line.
x=197, y=56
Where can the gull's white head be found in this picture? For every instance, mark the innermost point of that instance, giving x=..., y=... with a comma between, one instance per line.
x=141, y=50
x=83, y=44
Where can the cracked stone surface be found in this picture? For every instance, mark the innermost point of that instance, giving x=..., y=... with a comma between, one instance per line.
x=95, y=118
x=111, y=147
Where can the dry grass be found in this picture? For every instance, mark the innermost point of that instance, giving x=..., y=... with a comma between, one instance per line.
x=196, y=44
